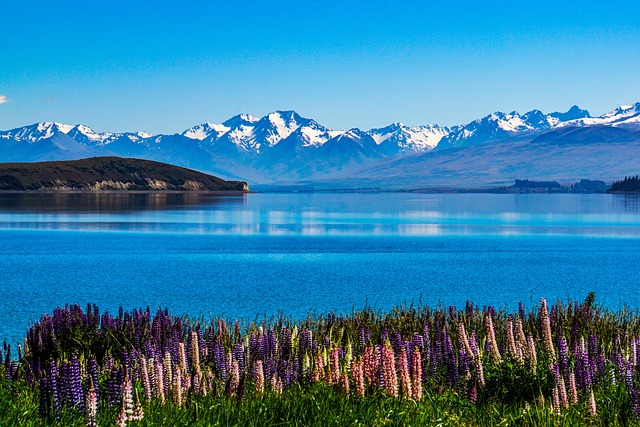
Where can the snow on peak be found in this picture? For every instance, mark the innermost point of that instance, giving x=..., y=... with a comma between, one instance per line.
x=205, y=130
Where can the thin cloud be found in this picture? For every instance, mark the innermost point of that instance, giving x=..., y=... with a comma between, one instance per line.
x=3, y=99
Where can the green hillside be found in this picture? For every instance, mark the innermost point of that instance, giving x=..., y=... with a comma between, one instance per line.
x=109, y=174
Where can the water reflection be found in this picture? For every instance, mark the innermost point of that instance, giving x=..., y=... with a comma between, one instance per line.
x=110, y=202
x=325, y=214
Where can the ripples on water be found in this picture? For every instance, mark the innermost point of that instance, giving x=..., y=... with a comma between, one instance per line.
x=261, y=254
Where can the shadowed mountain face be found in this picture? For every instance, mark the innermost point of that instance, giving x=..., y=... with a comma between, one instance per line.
x=283, y=147
x=109, y=173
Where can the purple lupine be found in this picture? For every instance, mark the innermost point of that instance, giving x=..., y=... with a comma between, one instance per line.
x=76, y=393
x=364, y=336
x=306, y=339
x=285, y=352
x=238, y=355
x=114, y=382
x=396, y=341
x=273, y=342
x=53, y=386
x=563, y=360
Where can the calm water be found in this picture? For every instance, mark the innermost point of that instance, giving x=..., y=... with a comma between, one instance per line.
x=261, y=254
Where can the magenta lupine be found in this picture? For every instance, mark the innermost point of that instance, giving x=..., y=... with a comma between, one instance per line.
x=389, y=373
x=405, y=378
x=416, y=375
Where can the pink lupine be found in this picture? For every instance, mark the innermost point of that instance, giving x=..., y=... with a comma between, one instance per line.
x=573, y=392
x=370, y=364
x=511, y=341
x=555, y=401
x=334, y=367
x=259, y=377
x=276, y=384
x=195, y=352
x=405, y=378
x=160, y=382
x=389, y=370
x=491, y=339
x=145, y=378
x=562, y=390
x=416, y=375
x=357, y=372
x=531, y=351
x=521, y=339
x=127, y=397
x=545, y=325
x=464, y=340
x=91, y=405
x=318, y=370
x=182, y=357
x=343, y=383
x=591, y=404
x=176, y=386
x=234, y=378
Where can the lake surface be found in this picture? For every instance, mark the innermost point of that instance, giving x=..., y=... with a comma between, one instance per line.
x=261, y=254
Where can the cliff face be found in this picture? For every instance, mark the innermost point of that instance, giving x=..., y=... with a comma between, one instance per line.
x=109, y=174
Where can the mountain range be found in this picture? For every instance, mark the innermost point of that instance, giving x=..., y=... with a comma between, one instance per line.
x=283, y=147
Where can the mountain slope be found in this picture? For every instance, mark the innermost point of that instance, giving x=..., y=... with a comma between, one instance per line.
x=285, y=147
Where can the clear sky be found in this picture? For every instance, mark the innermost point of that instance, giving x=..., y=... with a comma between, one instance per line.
x=162, y=66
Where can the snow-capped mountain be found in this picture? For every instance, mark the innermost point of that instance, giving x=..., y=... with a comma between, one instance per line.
x=284, y=146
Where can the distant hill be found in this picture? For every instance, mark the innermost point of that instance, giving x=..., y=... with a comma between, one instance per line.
x=109, y=174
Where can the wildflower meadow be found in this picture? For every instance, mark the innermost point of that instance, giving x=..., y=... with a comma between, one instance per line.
x=570, y=363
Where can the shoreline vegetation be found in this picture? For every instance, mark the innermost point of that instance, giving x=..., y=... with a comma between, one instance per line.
x=566, y=364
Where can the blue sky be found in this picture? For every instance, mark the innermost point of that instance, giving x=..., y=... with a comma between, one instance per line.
x=142, y=65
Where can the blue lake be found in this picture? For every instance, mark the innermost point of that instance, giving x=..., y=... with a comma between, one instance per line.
x=262, y=254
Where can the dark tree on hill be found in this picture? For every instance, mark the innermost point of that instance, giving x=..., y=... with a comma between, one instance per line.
x=630, y=184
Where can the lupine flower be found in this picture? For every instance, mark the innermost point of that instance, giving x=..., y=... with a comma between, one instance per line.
x=405, y=378
x=462, y=337
x=195, y=352
x=276, y=384
x=318, y=369
x=146, y=384
x=334, y=367
x=511, y=341
x=91, y=406
x=343, y=384
x=491, y=339
x=176, y=386
x=473, y=395
x=545, y=326
x=370, y=362
x=416, y=375
x=259, y=377
x=389, y=370
x=138, y=412
x=591, y=404
x=555, y=401
x=160, y=386
x=357, y=372
x=531, y=351
x=127, y=397
x=573, y=392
